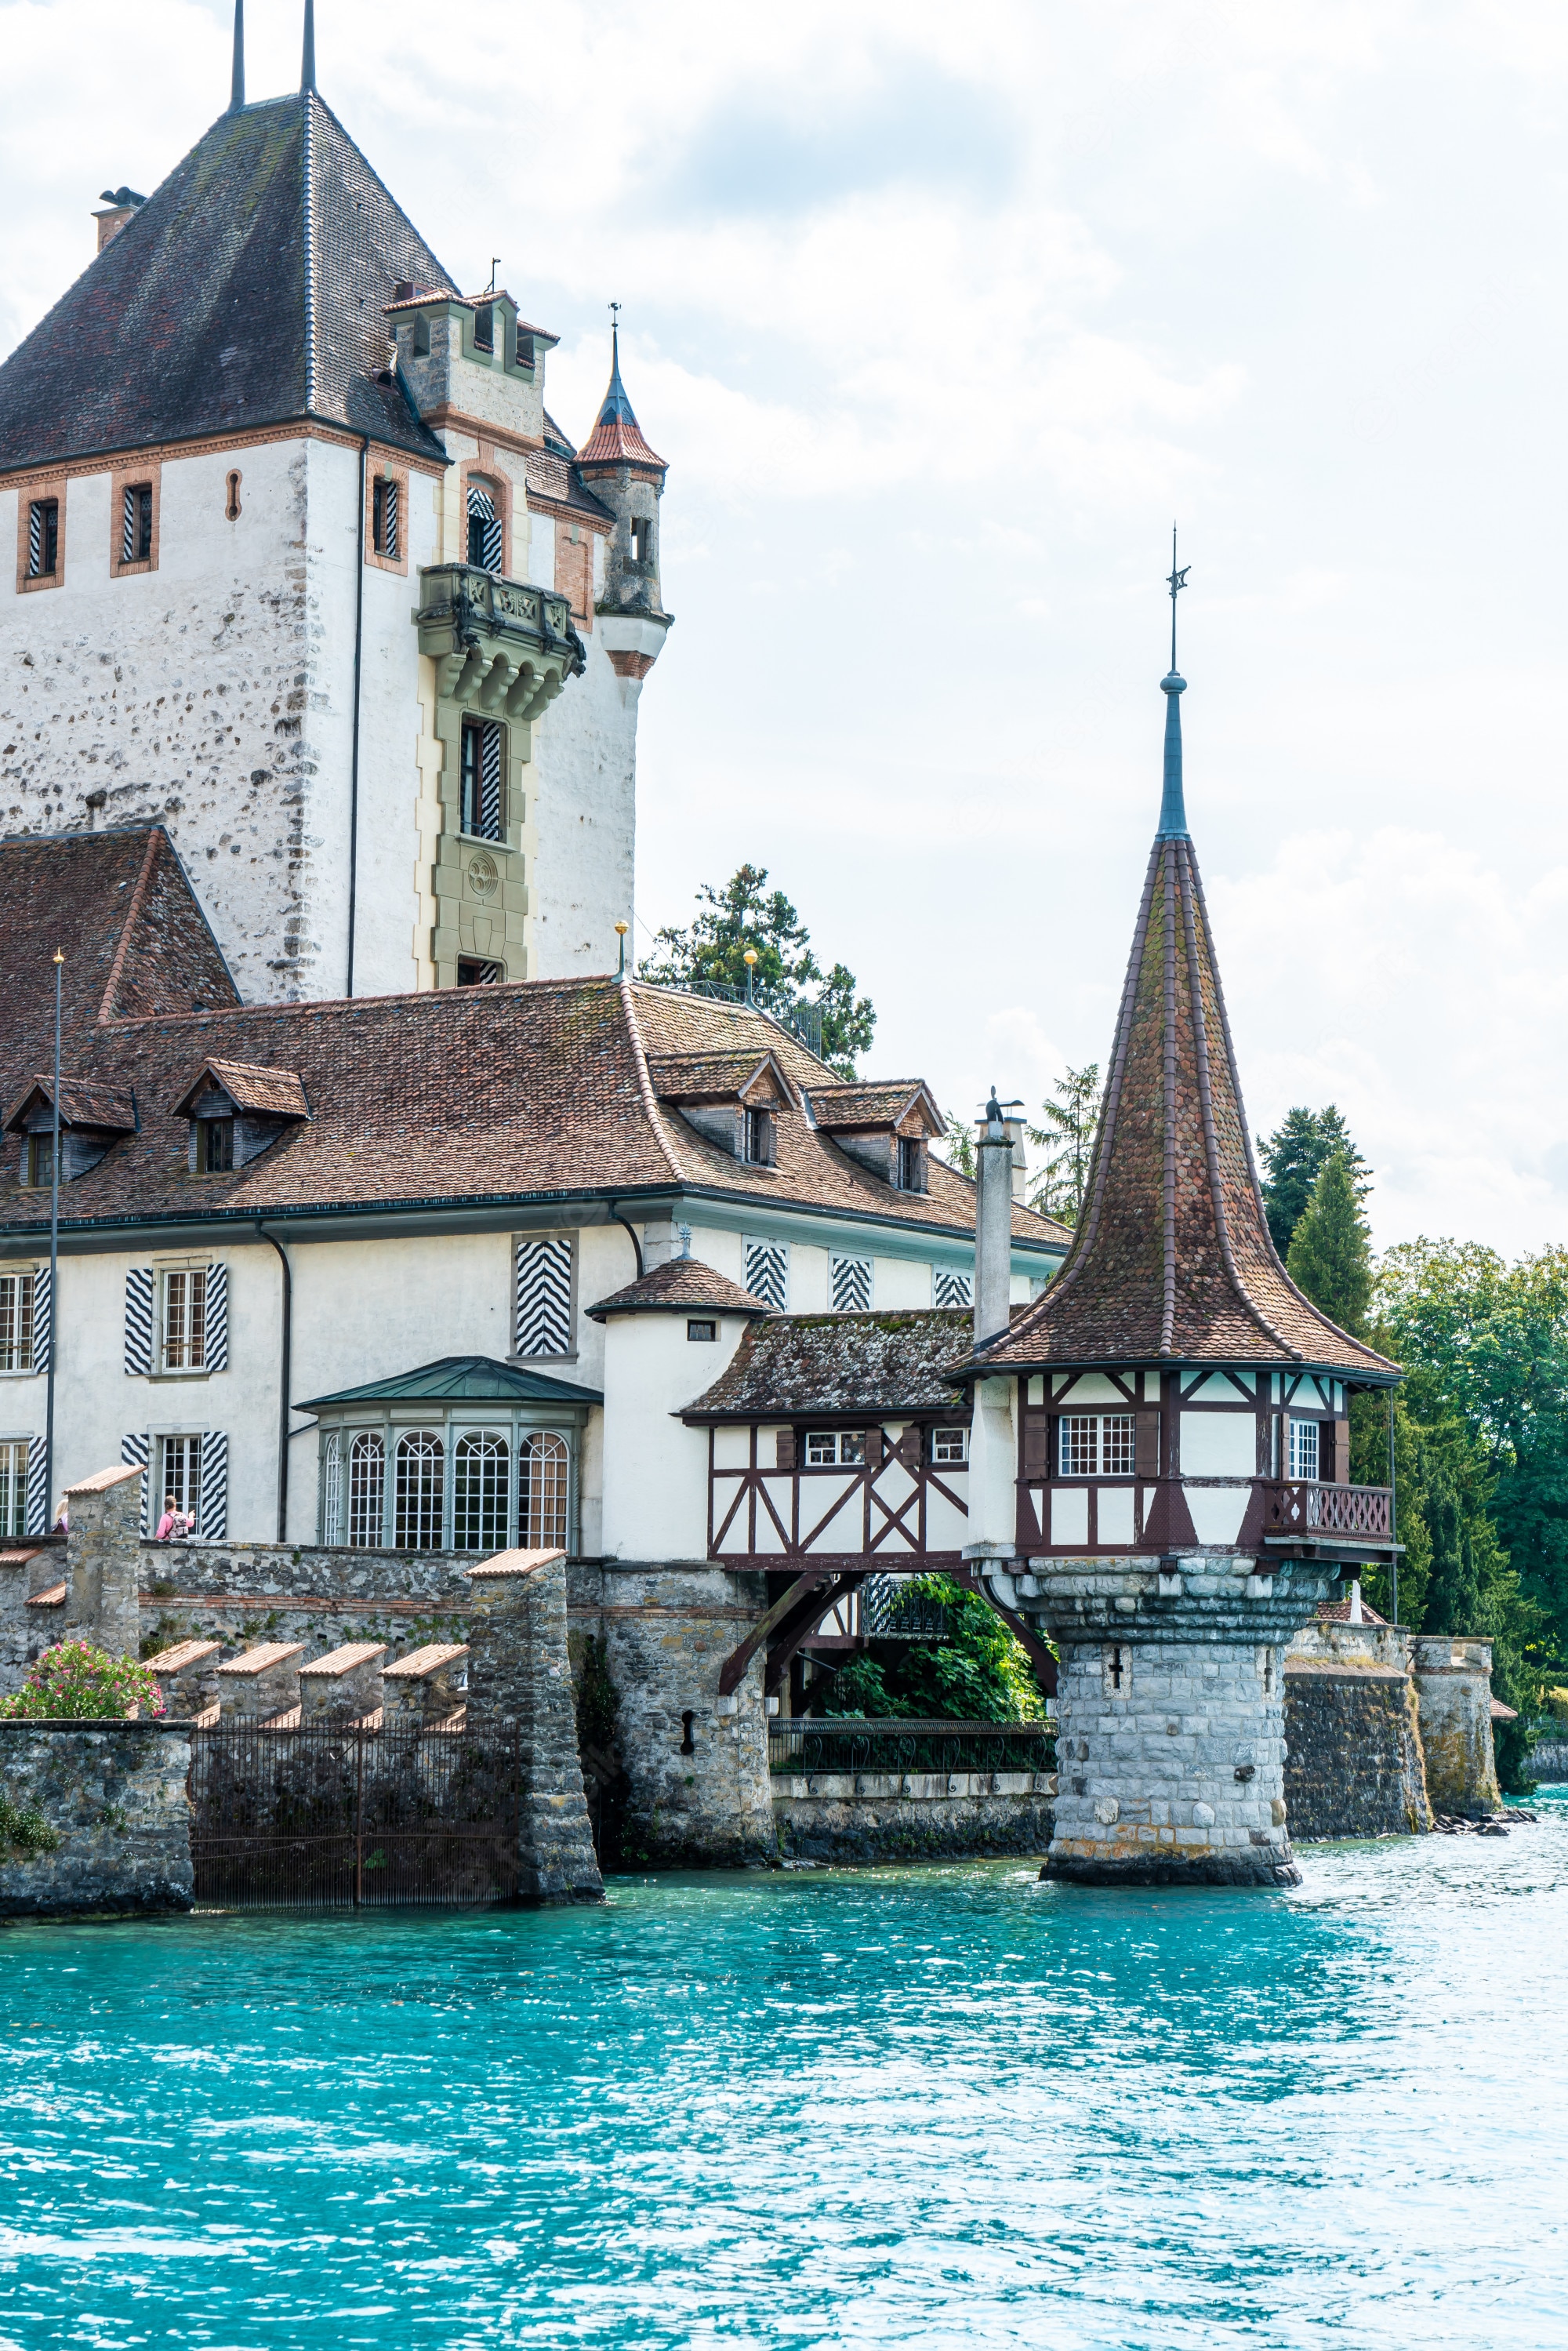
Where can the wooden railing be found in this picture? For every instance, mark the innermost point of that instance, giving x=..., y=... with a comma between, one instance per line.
x=1339, y=1513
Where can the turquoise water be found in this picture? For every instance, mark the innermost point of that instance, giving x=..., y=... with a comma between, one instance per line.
x=905, y=2108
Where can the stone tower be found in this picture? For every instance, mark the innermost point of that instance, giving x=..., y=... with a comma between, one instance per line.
x=1180, y=1501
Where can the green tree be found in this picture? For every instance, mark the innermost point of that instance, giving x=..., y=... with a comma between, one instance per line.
x=981, y=1673
x=1293, y=1159
x=1330, y=1247
x=1453, y=1594
x=1067, y=1137
x=959, y=1146
x=786, y=974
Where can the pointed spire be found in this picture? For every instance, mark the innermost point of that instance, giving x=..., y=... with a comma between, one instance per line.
x=236, y=83
x=1173, y=804
x=308, y=59
x=617, y=438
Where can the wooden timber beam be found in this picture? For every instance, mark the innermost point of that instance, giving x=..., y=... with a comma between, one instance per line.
x=732, y=1672
x=798, y=1625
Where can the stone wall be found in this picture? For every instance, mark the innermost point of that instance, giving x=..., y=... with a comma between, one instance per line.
x=236, y=1593
x=518, y=1672
x=912, y=1816
x=114, y=1795
x=1453, y=1681
x=1549, y=1761
x=1353, y=1763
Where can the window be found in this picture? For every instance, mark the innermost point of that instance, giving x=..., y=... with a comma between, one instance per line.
x=758, y=1139
x=421, y=1468
x=43, y=538
x=951, y=1445
x=17, y=1295
x=950, y=1289
x=766, y=1272
x=136, y=523
x=910, y=1154
x=543, y=1470
x=179, y=1481
x=215, y=1146
x=849, y=1282
x=13, y=1488
x=332, y=1487
x=1304, y=1450
x=185, y=1320
x=384, y=519
x=367, y=1489
x=1096, y=1445
x=480, y=795
x=829, y=1448
x=480, y=1477
x=702, y=1329
x=473, y=972
x=484, y=528
x=231, y=506
x=484, y=328
x=638, y=540
x=543, y=1296
x=39, y=1159
x=422, y=339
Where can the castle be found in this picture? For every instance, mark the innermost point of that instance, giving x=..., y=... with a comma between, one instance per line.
x=307, y=574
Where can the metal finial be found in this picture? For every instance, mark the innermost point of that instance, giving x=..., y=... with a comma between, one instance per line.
x=308, y=59
x=1172, y=803
x=1175, y=581
x=236, y=83
x=495, y=265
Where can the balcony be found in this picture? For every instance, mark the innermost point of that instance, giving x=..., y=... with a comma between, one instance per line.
x=499, y=645
x=1339, y=1517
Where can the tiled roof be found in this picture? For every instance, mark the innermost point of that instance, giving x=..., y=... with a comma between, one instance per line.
x=419, y=1663
x=80, y=1106
x=1173, y=1258
x=710, y=1077
x=800, y=1363
x=475, y=1379
x=680, y=1285
x=270, y=1094
x=249, y=291
x=532, y=1091
x=617, y=438
x=551, y=473
x=885, y=1103
x=134, y=939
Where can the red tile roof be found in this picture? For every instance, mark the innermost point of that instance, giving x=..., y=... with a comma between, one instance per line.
x=271, y=1093
x=681, y=1285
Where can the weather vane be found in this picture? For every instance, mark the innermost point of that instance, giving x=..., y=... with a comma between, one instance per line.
x=1176, y=580
x=615, y=314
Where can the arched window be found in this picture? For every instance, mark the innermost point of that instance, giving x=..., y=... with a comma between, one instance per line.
x=367, y=1489
x=421, y=1464
x=479, y=1493
x=332, y=1487
x=484, y=526
x=543, y=1469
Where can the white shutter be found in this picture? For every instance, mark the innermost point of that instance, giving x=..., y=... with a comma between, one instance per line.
x=213, y=1500
x=217, y=1326
x=138, y=1291
x=37, y=1487
x=849, y=1283
x=543, y=1324
x=767, y=1271
x=135, y=1448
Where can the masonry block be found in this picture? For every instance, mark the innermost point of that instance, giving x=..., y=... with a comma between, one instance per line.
x=102, y=1557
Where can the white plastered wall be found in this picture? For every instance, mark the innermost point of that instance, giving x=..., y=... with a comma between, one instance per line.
x=655, y=1496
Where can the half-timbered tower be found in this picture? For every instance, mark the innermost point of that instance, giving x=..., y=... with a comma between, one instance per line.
x=1173, y=1497
x=307, y=573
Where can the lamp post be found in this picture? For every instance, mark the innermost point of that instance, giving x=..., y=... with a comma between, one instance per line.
x=54, y=1264
x=749, y=959
x=621, y=931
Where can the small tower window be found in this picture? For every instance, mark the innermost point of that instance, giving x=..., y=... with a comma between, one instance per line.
x=231, y=510
x=136, y=523
x=384, y=519
x=484, y=328
x=701, y=1330
x=481, y=778
x=474, y=972
x=639, y=541
x=43, y=538
x=484, y=528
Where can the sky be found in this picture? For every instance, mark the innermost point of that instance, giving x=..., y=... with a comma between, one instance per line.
x=941, y=316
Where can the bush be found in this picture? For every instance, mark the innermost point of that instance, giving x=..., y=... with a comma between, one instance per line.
x=981, y=1673
x=24, y=1828
x=75, y=1682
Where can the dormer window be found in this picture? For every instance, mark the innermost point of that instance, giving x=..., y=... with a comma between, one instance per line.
x=887, y=1127
x=758, y=1137
x=732, y=1099
x=89, y=1122
x=236, y=1112
x=38, y=1160
x=911, y=1175
x=214, y=1145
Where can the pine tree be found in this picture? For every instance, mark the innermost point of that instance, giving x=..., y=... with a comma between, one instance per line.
x=1068, y=1138
x=786, y=978
x=1453, y=1594
x=1294, y=1156
x=1331, y=1247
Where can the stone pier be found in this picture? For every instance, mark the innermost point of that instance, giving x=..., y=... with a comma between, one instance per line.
x=519, y=1673
x=1170, y=1705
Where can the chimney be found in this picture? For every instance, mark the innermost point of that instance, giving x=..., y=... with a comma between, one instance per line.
x=996, y=1141
x=121, y=203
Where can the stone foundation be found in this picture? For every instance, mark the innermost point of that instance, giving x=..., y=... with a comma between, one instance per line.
x=519, y=1672
x=863, y=1816
x=1353, y=1764
x=113, y=1793
x=1453, y=1681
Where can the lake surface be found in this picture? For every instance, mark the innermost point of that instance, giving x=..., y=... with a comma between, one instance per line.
x=927, y=2108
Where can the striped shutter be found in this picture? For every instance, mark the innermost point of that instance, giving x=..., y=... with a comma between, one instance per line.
x=139, y=1285
x=767, y=1274
x=35, y=540
x=490, y=780
x=482, y=509
x=389, y=520
x=951, y=1288
x=218, y=1328
x=544, y=1297
x=133, y=1449
x=37, y=1487
x=213, y=1500
x=848, y=1280
x=43, y=1318
x=128, y=528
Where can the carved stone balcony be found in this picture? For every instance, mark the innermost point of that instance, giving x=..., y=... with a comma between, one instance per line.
x=499, y=645
x=1339, y=1517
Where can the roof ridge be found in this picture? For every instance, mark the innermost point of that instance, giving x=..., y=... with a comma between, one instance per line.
x=645, y=1083
x=310, y=1004
x=132, y=916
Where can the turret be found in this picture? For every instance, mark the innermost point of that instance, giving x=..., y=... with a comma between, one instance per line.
x=617, y=464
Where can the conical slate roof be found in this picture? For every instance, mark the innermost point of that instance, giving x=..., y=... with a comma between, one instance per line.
x=617, y=438
x=1173, y=1257
x=249, y=291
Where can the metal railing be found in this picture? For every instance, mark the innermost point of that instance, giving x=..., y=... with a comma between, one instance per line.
x=892, y=1610
x=1304, y=1508
x=852, y=1743
x=803, y=1022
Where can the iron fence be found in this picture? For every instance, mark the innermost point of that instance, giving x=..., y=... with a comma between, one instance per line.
x=892, y=1610
x=340, y=1819
x=850, y=1743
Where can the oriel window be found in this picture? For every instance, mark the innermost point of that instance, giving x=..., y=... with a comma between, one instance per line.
x=136, y=523
x=43, y=538
x=481, y=778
